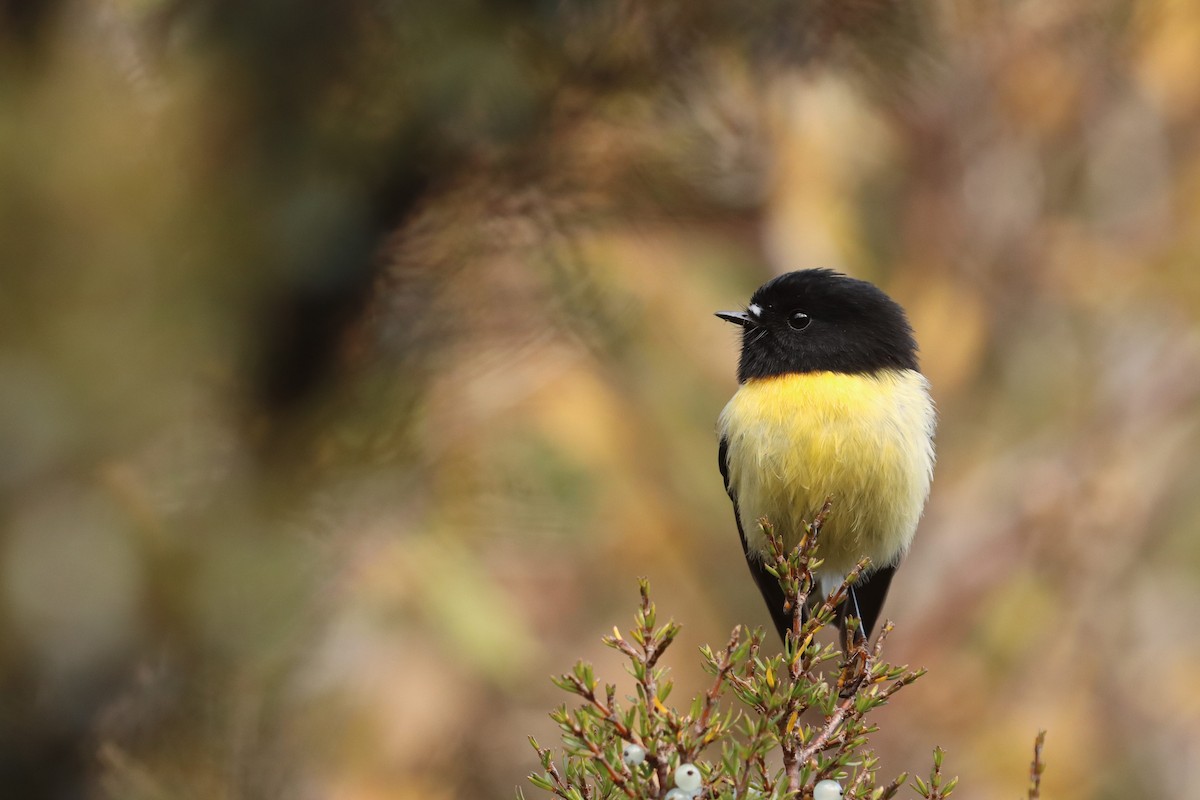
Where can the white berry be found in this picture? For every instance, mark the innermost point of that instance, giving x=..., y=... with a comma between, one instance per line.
x=633, y=754
x=827, y=790
x=687, y=777
x=678, y=794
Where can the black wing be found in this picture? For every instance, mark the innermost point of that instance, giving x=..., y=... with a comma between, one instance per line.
x=767, y=584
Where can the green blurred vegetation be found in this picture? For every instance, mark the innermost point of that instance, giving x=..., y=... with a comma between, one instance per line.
x=356, y=357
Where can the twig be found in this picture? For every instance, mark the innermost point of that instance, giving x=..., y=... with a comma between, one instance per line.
x=607, y=712
x=831, y=727
x=714, y=692
x=560, y=786
x=619, y=778
x=1037, y=767
x=890, y=790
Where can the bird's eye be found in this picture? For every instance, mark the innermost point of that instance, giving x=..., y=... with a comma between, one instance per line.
x=798, y=321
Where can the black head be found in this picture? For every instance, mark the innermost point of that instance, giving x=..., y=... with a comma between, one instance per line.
x=818, y=320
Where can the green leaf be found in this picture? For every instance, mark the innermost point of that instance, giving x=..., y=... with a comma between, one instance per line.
x=541, y=781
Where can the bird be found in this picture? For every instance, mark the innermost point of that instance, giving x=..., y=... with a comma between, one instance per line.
x=831, y=405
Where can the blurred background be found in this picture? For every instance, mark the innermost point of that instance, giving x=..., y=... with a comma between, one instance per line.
x=355, y=359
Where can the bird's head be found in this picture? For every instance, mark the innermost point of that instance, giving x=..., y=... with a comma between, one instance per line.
x=818, y=320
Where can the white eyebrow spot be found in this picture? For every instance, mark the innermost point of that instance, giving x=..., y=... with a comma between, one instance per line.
x=755, y=310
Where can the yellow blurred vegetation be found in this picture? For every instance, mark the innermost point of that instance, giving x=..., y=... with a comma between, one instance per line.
x=355, y=359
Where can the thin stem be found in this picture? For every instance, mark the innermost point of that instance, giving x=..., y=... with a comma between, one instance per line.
x=1037, y=767
x=714, y=692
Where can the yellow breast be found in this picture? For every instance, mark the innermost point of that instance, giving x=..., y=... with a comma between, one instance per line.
x=864, y=440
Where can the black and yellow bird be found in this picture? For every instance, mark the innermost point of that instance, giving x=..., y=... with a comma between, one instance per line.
x=831, y=404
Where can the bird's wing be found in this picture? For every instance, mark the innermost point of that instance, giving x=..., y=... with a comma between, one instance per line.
x=768, y=585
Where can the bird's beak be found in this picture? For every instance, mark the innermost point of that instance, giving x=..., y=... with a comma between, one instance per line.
x=737, y=318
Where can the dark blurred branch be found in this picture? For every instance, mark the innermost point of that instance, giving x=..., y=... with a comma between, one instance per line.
x=25, y=24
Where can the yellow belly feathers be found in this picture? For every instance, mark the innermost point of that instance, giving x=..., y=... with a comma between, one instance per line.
x=865, y=440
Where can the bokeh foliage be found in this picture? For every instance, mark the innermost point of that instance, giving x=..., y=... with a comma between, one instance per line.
x=355, y=356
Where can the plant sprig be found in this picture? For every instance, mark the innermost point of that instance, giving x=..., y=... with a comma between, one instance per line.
x=767, y=726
